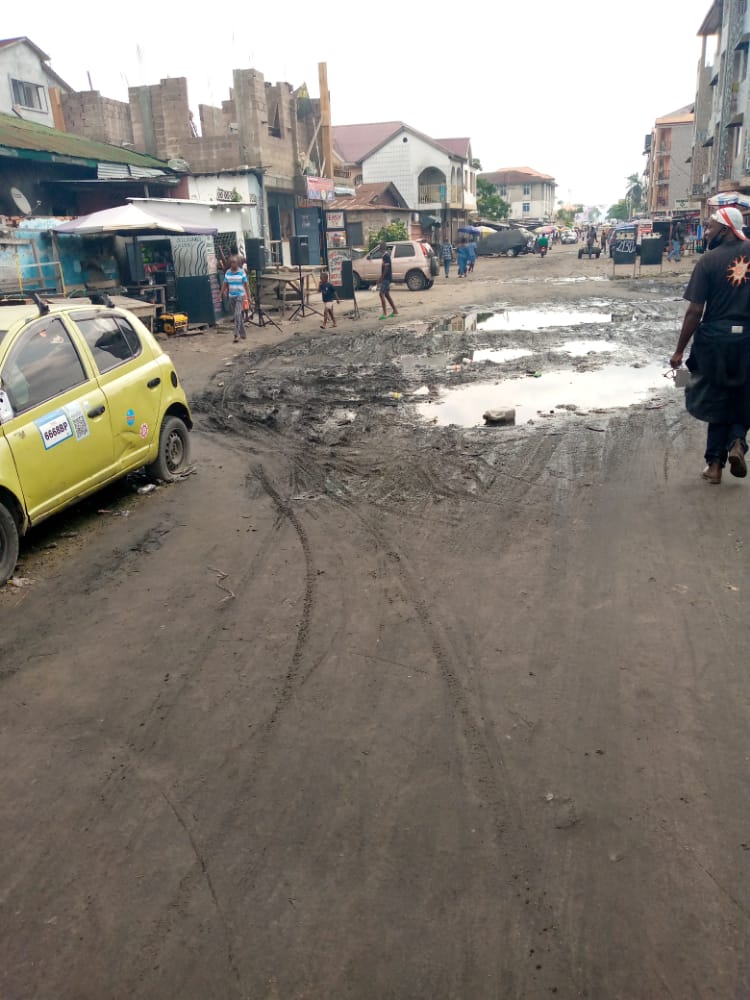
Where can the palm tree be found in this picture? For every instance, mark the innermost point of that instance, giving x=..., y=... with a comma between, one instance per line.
x=634, y=193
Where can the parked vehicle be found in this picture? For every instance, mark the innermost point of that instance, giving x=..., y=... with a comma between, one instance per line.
x=86, y=396
x=510, y=242
x=412, y=262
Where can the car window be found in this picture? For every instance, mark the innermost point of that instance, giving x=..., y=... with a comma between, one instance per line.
x=375, y=254
x=112, y=340
x=41, y=364
x=404, y=250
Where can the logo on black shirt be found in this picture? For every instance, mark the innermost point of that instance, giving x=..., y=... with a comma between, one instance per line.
x=738, y=271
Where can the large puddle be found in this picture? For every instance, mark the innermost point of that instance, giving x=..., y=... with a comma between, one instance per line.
x=538, y=319
x=574, y=348
x=557, y=392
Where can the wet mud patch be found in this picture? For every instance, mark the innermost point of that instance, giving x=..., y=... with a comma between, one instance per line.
x=365, y=413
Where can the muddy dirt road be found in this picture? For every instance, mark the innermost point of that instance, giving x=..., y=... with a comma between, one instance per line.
x=377, y=706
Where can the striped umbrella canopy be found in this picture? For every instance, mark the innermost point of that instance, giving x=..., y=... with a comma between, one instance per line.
x=725, y=198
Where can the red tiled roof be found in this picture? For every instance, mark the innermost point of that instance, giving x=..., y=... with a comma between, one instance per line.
x=515, y=175
x=354, y=142
x=372, y=197
x=459, y=147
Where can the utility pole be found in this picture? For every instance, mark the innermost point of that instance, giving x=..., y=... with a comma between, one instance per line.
x=326, y=134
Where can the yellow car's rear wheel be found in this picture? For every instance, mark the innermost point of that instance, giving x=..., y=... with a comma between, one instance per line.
x=174, y=451
x=8, y=544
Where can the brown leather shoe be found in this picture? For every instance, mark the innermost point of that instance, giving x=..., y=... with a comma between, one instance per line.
x=737, y=464
x=712, y=473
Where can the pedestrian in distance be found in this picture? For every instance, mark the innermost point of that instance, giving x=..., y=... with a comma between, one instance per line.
x=462, y=255
x=236, y=288
x=603, y=240
x=678, y=234
x=472, y=248
x=329, y=295
x=386, y=276
x=446, y=255
x=718, y=322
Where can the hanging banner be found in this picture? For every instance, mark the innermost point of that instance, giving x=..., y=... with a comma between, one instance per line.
x=319, y=189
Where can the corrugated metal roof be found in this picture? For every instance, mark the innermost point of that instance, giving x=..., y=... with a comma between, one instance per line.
x=19, y=134
x=372, y=198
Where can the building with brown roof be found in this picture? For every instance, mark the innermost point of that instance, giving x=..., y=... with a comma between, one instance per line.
x=435, y=177
x=530, y=194
x=372, y=207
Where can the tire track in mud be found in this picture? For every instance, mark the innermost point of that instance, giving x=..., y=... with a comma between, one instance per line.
x=285, y=511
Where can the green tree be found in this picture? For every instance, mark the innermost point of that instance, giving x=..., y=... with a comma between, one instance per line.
x=620, y=211
x=634, y=193
x=489, y=203
x=475, y=164
x=395, y=230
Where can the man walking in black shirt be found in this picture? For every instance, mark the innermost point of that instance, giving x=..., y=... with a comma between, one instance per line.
x=719, y=362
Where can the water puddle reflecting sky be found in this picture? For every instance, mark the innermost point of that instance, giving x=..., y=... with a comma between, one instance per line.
x=610, y=387
x=539, y=319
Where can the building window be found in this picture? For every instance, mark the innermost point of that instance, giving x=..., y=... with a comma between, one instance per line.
x=527, y=190
x=526, y=207
x=502, y=190
x=29, y=95
x=737, y=141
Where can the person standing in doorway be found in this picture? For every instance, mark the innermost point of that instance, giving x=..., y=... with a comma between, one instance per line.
x=719, y=362
x=386, y=276
x=446, y=254
x=235, y=286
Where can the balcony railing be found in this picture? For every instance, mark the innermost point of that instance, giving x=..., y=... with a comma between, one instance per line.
x=439, y=194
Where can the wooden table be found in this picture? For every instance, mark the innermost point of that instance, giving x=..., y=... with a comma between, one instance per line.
x=143, y=310
x=282, y=281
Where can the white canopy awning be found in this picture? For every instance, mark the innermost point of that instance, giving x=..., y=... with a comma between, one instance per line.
x=128, y=218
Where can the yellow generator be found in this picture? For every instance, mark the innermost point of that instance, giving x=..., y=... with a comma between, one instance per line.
x=172, y=323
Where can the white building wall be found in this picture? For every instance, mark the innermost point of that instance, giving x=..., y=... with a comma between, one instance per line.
x=237, y=219
x=402, y=162
x=19, y=62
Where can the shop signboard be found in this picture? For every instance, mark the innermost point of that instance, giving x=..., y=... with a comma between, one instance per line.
x=319, y=189
x=335, y=262
x=335, y=220
x=624, y=244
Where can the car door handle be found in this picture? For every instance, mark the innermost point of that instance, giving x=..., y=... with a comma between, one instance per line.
x=96, y=412
x=153, y=383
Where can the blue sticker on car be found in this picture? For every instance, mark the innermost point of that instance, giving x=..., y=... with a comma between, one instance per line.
x=130, y=418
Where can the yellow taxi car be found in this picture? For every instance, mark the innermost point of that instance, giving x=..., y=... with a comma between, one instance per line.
x=86, y=396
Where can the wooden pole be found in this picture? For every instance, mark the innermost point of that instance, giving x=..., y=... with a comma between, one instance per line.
x=325, y=121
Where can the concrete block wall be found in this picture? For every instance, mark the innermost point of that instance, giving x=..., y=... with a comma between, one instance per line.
x=212, y=121
x=161, y=117
x=209, y=155
x=89, y=114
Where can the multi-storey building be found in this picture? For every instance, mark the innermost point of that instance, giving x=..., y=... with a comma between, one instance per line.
x=721, y=153
x=531, y=195
x=669, y=149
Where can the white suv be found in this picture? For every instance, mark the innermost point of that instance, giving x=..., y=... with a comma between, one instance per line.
x=412, y=261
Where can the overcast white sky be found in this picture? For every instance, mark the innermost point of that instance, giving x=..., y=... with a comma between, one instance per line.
x=568, y=87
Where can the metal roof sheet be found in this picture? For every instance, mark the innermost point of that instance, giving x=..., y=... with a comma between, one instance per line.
x=19, y=134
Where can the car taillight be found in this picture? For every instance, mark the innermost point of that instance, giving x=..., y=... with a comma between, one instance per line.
x=425, y=250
